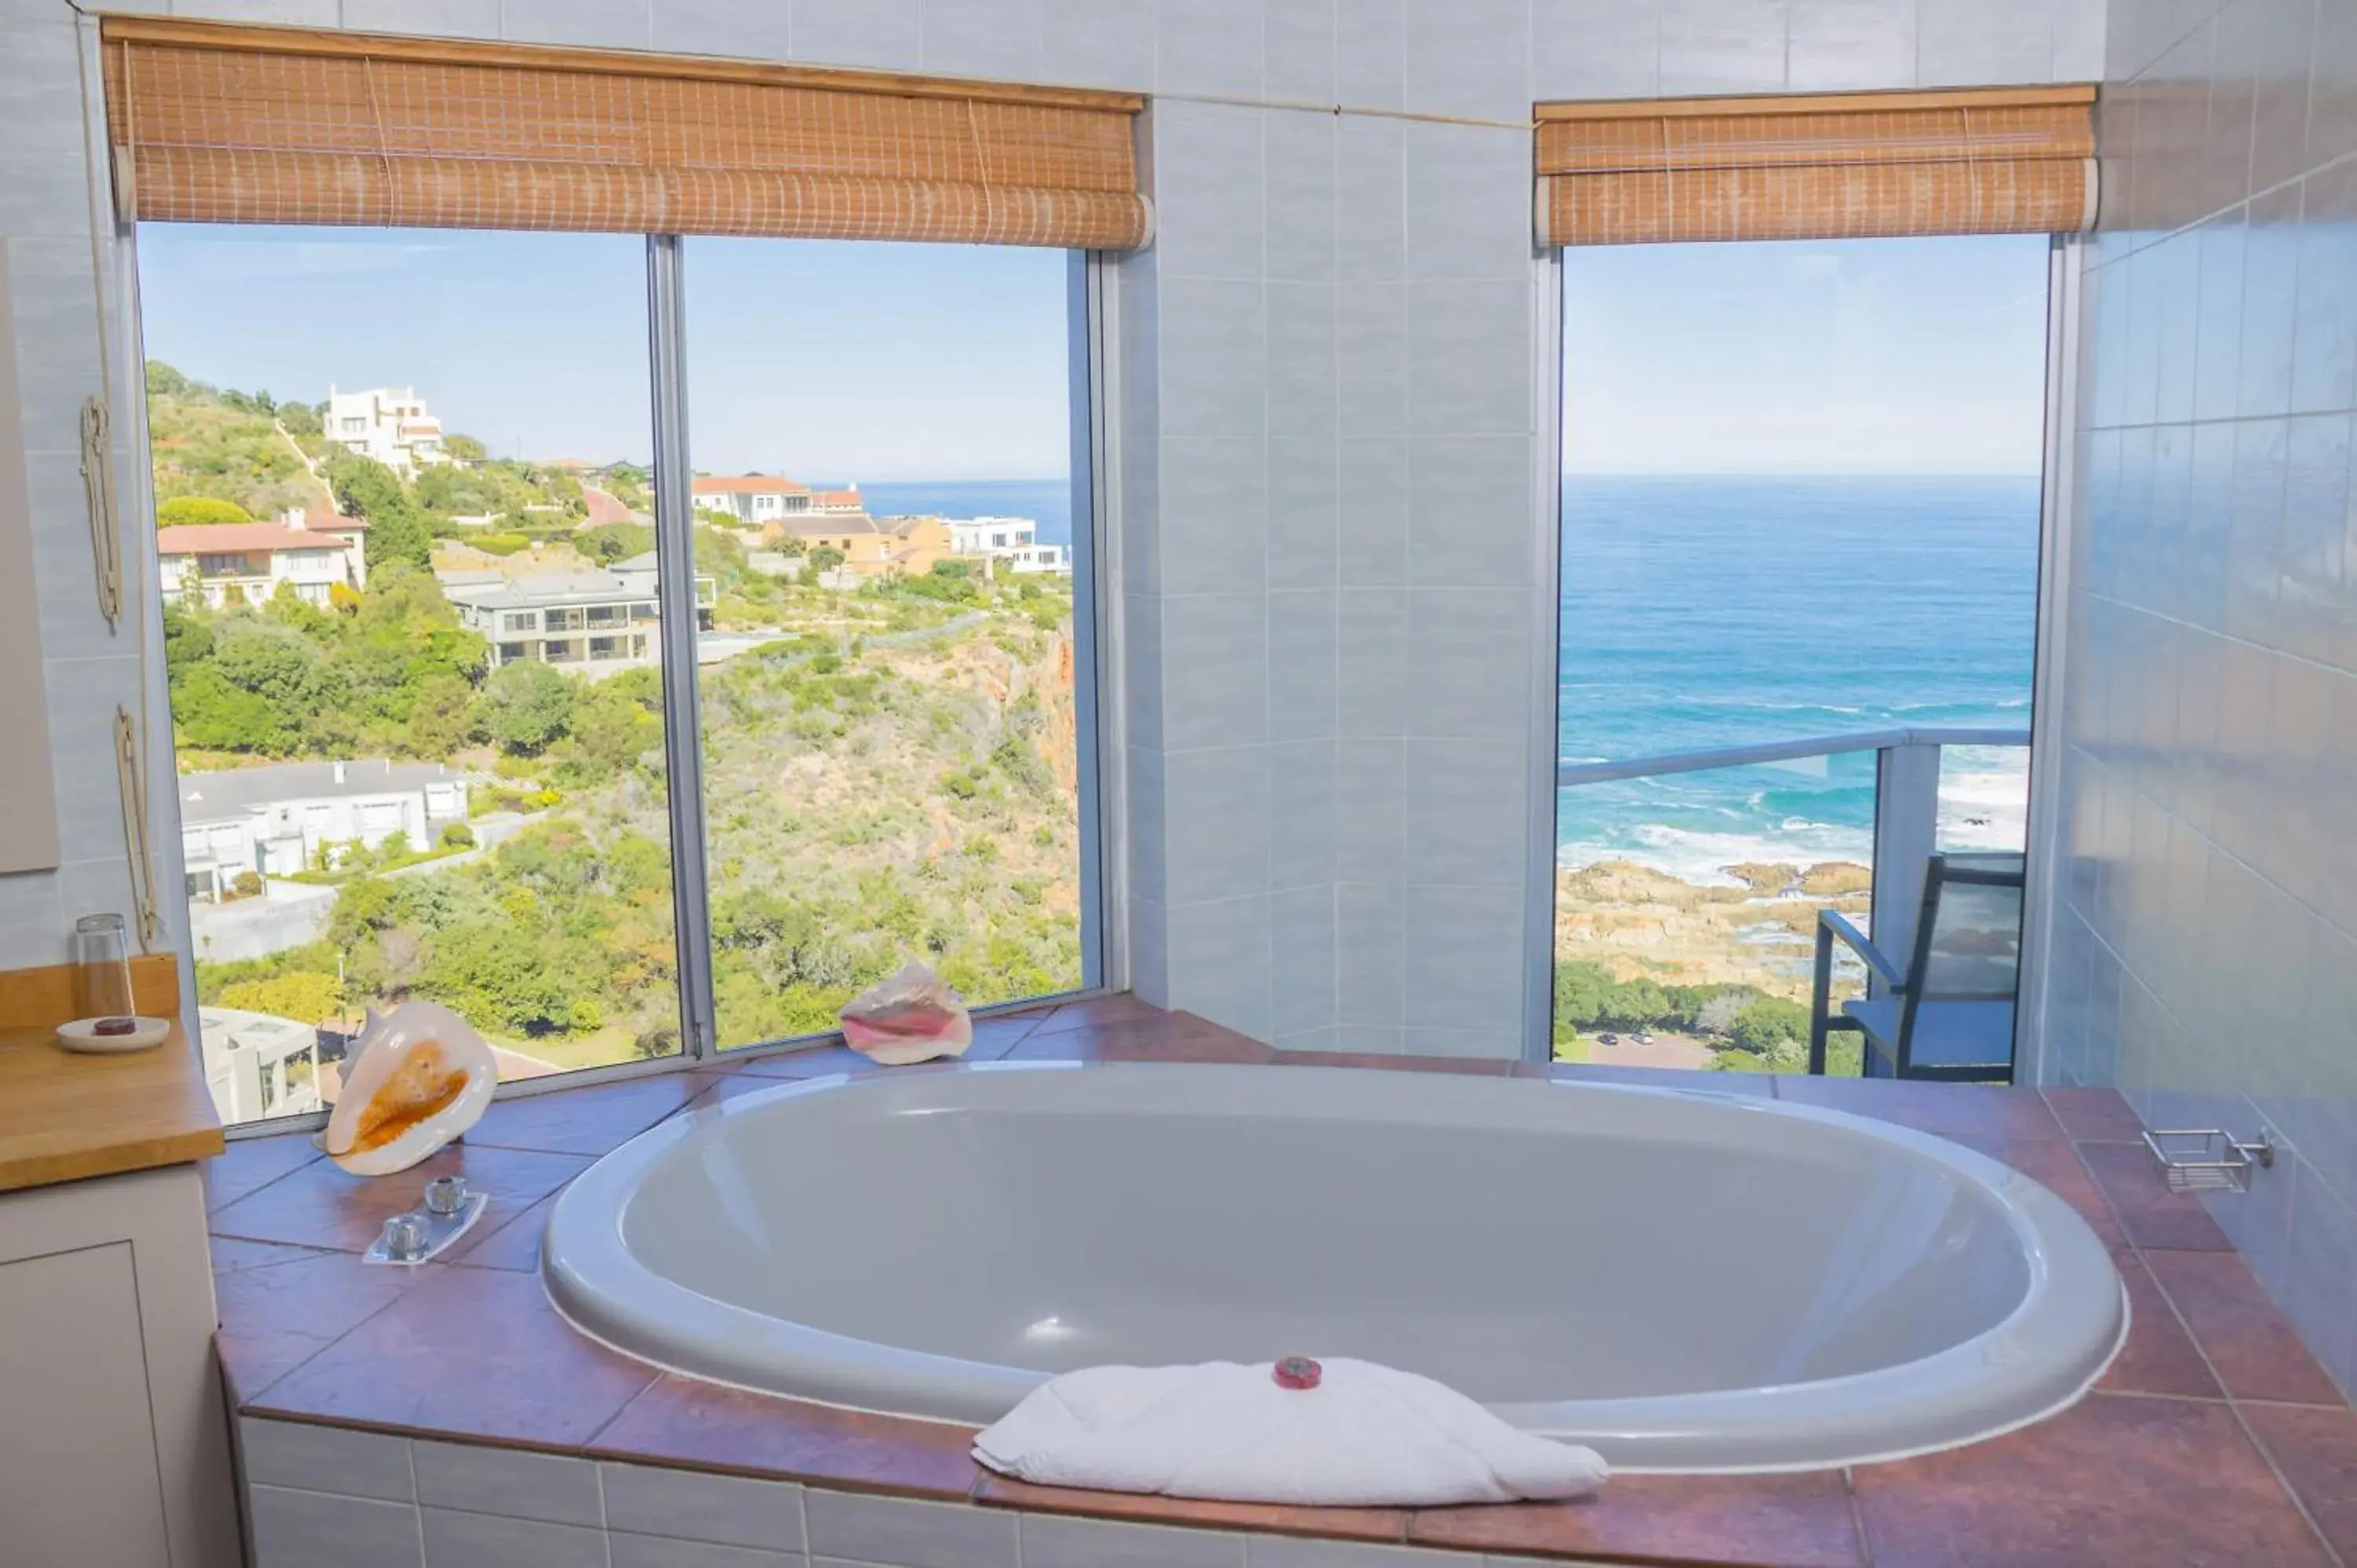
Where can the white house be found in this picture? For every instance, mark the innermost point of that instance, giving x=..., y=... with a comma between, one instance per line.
x=753, y=499
x=1053, y=558
x=257, y=1064
x=1009, y=542
x=388, y=424
x=224, y=564
x=992, y=535
x=273, y=820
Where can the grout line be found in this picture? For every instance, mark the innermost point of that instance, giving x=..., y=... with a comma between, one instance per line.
x=1857, y=1514
x=2242, y=1421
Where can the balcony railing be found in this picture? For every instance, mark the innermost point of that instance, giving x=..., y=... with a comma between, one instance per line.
x=1907, y=800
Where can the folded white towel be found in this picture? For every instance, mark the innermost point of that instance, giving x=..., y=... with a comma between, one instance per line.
x=1366, y=1436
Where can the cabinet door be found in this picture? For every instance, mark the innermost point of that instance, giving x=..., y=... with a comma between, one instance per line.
x=79, y=1482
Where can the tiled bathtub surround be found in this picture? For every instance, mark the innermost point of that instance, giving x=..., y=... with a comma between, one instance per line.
x=468, y=1424
x=2207, y=942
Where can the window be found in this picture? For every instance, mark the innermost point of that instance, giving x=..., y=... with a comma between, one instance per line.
x=475, y=827
x=432, y=795
x=926, y=721
x=1800, y=503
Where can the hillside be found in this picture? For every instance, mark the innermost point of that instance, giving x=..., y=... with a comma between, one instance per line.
x=244, y=448
x=890, y=774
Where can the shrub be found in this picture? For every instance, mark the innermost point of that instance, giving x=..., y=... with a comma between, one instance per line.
x=185, y=511
x=246, y=883
x=457, y=835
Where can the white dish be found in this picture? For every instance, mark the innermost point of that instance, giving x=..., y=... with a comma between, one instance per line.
x=81, y=1036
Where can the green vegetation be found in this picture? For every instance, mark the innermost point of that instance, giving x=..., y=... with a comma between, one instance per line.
x=241, y=448
x=183, y=511
x=890, y=774
x=1749, y=1030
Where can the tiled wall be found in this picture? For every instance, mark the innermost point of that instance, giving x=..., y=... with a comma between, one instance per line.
x=2206, y=957
x=1326, y=411
x=335, y=1498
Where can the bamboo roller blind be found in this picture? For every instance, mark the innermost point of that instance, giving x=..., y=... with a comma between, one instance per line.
x=237, y=124
x=1852, y=166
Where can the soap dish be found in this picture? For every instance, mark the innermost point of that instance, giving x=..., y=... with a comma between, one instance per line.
x=82, y=1035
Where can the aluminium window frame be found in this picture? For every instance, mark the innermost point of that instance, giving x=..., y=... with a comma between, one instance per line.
x=1092, y=371
x=2043, y=829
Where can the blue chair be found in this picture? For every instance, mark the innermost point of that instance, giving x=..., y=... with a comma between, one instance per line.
x=1948, y=1013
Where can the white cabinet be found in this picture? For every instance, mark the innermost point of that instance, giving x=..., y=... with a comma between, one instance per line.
x=114, y=1435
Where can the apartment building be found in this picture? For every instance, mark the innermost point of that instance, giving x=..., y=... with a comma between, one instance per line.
x=391, y=425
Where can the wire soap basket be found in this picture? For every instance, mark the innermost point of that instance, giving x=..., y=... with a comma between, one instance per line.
x=2209, y=1159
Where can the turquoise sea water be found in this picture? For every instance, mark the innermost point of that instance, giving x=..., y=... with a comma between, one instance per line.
x=1048, y=502
x=1708, y=612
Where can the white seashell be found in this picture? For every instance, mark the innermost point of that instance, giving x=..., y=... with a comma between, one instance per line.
x=415, y=1079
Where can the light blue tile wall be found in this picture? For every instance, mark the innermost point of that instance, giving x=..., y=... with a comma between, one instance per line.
x=2204, y=960
x=55, y=293
x=1327, y=424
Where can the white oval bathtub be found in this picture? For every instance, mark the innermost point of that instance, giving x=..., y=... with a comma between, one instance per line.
x=1687, y=1280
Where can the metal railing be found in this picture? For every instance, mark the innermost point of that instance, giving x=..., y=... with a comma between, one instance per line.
x=1906, y=803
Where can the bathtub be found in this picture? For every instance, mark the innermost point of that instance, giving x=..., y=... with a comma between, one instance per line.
x=1687, y=1280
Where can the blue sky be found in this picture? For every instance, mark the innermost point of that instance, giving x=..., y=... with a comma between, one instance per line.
x=1922, y=355
x=828, y=362
x=867, y=362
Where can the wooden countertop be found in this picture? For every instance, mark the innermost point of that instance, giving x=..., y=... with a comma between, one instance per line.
x=65, y=1117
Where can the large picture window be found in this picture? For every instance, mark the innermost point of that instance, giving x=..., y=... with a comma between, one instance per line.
x=410, y=537
x=879, y=435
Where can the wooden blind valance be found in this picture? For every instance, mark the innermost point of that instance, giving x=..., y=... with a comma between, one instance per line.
x=1850, y=165
x=236, y=124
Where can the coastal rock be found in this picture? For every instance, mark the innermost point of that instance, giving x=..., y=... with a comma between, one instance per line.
x=1637, y=922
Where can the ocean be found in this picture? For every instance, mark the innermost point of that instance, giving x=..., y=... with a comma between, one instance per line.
x=1048, y=502
x=1709, y=612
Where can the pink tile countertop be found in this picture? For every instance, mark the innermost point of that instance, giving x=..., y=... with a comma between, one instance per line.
x=2214, y=1439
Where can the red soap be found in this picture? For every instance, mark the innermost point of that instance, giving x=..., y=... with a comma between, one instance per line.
x=115, y=1027
x=1297, y=1373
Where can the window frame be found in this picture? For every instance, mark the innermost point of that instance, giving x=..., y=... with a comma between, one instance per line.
x=1096, y=634
x=2043, y=856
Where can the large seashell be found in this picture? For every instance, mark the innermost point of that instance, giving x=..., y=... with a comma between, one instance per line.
x=415, y=1079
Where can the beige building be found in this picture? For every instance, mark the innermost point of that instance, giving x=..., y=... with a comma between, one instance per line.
x=872, y=547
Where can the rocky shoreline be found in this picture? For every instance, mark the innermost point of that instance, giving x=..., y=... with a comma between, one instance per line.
x=1637, y=922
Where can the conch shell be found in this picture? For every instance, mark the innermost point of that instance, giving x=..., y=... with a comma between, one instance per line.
x=417, y=1077
x=912, y=1017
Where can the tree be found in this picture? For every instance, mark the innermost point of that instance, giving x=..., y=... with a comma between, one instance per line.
x=612, y=542
x=527, y=707
x=367, y=488
x=185, y=511
x=305, y=996
x=466, y=449
x=1770, y=1026
x=825, y=558
x=163, y=381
